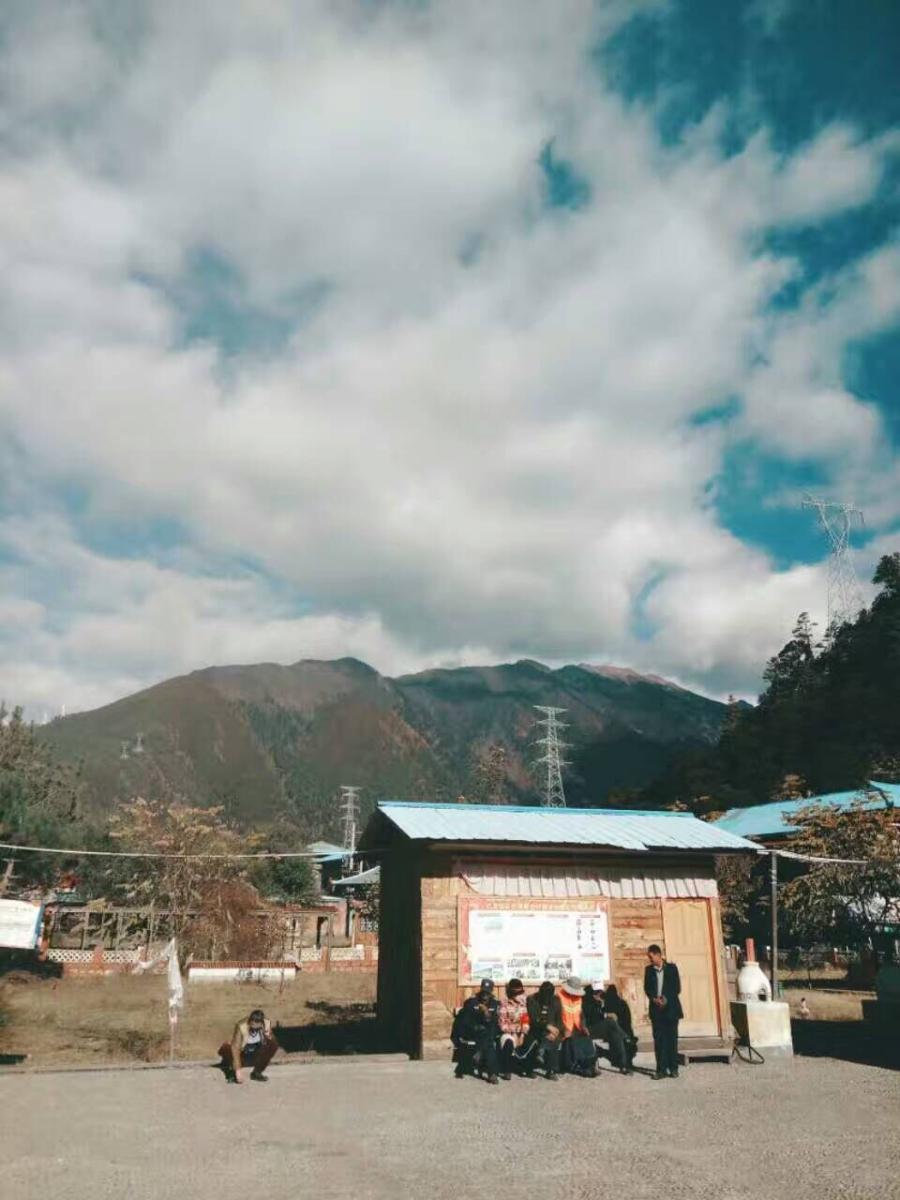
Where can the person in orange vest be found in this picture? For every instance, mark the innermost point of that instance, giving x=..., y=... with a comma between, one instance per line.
x=579, y=1054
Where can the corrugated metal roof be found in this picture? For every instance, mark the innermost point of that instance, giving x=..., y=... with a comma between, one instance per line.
x=619, y=828
x=360, y=879
x=577, y=882
x=770, y=820
x=324, y=852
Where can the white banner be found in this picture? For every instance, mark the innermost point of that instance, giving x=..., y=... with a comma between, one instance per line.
x=20, y=924
x=538, y=945
x=169, y=955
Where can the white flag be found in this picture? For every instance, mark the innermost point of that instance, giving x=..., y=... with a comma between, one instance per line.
x=169, y=955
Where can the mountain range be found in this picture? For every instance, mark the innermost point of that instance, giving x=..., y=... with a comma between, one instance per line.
x=270, y=741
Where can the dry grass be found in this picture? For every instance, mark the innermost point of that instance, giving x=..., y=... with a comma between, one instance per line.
x=827, y=1006
x=124, y=1019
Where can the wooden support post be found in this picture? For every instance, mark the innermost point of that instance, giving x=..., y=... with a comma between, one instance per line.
x=7, y=875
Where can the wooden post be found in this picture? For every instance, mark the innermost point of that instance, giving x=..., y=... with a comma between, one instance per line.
x=7, y=875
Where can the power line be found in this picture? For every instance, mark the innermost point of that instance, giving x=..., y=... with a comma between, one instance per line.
x=155, y=853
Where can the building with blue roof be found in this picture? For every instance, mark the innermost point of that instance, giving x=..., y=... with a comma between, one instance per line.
x=770, y=822
x=472, y=891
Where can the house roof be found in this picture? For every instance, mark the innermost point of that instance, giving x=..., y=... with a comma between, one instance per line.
x=326, y=852
x=618, y=828
x=360, y=879
x=771, y=820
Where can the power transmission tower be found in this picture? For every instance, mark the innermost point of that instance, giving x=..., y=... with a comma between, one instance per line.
x=845, y=597
x=554, y=795
x=350, y=817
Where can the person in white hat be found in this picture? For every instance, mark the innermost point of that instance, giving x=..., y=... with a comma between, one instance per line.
x=579, y=1054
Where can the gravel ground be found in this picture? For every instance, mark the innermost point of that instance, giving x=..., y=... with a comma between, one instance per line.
x=814, y=1128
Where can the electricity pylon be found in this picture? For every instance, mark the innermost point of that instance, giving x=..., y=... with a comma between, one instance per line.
x=554, y=795
x=350, y=816
x=844, y=594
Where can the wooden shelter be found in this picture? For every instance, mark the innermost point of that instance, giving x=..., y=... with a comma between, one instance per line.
x=484, y=890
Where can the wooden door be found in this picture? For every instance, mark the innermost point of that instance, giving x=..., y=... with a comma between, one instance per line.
x=689, y=944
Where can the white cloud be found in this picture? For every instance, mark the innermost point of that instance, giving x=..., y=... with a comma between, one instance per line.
x=479, y=442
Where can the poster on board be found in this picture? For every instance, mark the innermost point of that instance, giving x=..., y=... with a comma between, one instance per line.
x=20, y=925
x=537, y=944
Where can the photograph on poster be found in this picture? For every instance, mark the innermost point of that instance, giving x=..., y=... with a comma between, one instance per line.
x=538, y=945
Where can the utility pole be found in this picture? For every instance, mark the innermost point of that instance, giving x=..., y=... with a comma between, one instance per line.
x=773, y=883
x=551, y=759
x=844, y=595
x=350, y=817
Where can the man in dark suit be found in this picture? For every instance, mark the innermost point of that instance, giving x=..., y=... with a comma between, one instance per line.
x=662, y=986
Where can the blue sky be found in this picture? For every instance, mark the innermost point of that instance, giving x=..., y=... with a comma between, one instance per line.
x=439, y=335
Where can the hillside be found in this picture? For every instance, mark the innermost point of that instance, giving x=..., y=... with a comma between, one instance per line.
x=828, y=720
x=268, y=739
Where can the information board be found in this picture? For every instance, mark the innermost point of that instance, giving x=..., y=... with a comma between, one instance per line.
x=537, y=944
x=20, y=924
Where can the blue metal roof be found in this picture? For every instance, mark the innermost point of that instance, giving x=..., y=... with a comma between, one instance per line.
x=770, y=820
x=325, y=852
x=621, y=828
x=360, y=879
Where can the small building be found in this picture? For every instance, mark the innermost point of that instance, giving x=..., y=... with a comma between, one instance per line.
x=769, y=823
x=469, y=891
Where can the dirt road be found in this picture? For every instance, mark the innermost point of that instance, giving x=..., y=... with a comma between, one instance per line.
x=366, y=1130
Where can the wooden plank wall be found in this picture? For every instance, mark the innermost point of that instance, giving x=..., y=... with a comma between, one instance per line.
x=440, y=949
x=634, y=924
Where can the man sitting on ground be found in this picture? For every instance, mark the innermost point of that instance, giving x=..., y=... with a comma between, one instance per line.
x=252, y=1045
x=544, y=1029
x=476, y=1033
x=603, y=1023
x=513, y=1028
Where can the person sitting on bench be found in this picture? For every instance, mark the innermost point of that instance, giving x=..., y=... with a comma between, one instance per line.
x=603, y=1024
x=545, y=1021
x=513, y=1029
x=476, y=1034
x=615, y=1006
x=579, y=1055
x=252, y=1045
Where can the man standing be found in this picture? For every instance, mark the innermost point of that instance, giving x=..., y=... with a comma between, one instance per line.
x=252, y=1045
x=662, y=986
x=476, y=1033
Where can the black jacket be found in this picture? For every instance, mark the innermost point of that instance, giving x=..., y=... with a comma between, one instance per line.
x=538, y=1022
x=618, y=1008
x=593, y=1012
x=671, y=990
x=476, y=1019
